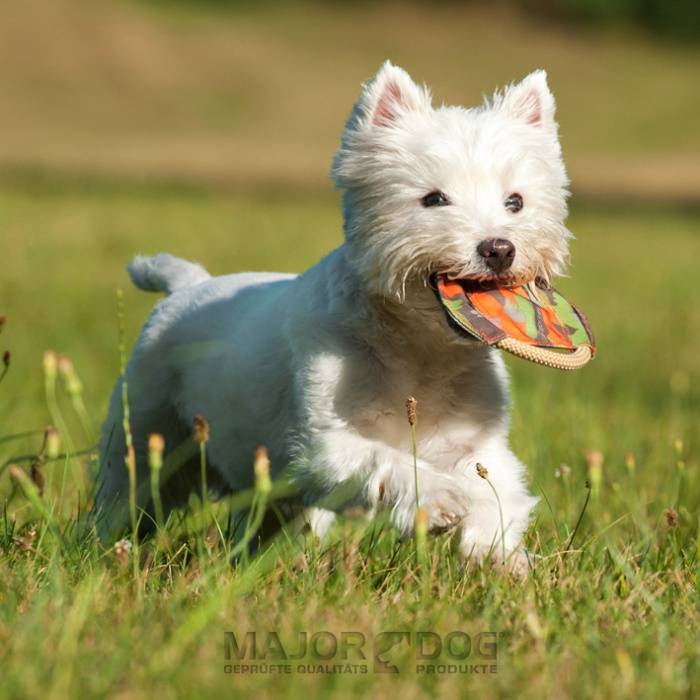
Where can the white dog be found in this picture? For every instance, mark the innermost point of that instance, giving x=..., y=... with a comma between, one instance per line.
x=317, y=367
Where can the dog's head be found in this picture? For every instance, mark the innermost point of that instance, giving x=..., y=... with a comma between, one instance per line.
x=476, y=193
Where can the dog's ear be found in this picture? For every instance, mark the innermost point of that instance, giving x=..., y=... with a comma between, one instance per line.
x=387, y=97
x=530, y=100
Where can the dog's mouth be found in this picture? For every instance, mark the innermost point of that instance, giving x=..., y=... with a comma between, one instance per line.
x=484, y=281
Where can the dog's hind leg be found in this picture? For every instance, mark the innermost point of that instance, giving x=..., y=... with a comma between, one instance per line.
x=149, y=383
x=111, y=511
x=320, y=520
x=180, y=476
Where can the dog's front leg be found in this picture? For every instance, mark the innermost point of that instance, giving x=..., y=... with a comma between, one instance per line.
x=337, y=465
x=499, y=507
x=342, y=467
x=320, y=520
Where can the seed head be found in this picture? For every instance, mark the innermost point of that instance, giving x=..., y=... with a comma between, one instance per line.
x=594, y=460
x=421, y=523
x=671, y=517
x=122, y=551
x=26, y=541
x=37, y=477
x=74, y=386
x=52, y=442
x=50, y=365
x=562, y=472
x=131, y=459
x=630, y=462
x=65, y=366
x=201, y=429
x=482, y=471
x=261, y=468
x=411, y=413
x=156, y=447
x=6, y=358
x=3, y=320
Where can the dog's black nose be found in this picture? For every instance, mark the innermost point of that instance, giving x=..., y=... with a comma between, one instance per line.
x=498, y=253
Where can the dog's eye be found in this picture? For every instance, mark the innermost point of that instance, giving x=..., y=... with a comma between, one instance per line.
x=435, y=199
x=514, y=203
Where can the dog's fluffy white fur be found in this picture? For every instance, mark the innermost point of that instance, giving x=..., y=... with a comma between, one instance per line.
x=317, y=367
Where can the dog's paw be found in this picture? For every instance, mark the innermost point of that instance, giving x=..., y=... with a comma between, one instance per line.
x=441, y=518
x=518, y=562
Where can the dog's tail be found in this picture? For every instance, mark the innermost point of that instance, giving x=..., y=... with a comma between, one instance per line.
x=165, y=273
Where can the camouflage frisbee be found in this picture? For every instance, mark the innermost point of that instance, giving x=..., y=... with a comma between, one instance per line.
x=532, y=321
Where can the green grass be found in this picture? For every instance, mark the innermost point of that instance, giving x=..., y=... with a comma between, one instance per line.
x=617, y=616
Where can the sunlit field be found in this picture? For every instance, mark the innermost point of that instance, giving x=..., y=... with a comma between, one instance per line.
x=142, y=127
x=622, y=601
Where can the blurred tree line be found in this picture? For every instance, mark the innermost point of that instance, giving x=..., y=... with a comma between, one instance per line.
x=673, y=18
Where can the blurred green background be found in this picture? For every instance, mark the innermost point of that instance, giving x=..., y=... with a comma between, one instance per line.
x=207, y=129
x=253, y=95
